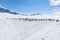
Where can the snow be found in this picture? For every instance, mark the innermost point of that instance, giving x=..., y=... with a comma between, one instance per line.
x=13, y=29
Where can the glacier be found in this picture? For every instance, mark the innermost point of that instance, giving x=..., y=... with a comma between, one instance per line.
x=11, y=28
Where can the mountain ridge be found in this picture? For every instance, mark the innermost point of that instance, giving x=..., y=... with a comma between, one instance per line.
x=3, y=10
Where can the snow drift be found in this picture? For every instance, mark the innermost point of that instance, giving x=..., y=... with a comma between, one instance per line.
x=11, y=28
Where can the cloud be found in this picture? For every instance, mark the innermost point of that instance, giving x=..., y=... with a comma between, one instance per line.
x=2, y=6
x=54, y=2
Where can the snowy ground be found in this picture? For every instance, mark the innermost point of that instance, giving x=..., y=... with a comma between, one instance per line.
x=29, y=30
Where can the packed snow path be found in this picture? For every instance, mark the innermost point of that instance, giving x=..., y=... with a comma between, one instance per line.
x=29, y=30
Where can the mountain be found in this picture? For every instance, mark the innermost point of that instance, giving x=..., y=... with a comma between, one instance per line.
x=3, y=10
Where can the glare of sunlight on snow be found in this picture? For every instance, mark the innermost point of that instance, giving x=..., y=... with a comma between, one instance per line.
x=12, y=28
x=57, y=12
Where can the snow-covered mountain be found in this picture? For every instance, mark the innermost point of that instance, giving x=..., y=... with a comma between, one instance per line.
x=38, y=27
x=3, y=10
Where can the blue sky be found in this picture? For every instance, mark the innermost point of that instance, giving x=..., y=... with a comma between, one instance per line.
x=28, y=6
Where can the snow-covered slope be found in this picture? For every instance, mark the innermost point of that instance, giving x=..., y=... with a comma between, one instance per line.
x=12, y=28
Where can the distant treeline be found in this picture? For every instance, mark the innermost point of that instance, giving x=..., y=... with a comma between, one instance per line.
x=33, y=19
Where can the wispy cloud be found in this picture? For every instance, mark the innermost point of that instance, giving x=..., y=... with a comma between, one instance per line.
x=2, y=6
x=54, y=2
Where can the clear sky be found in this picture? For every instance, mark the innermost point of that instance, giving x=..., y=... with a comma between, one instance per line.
x=31, y=6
